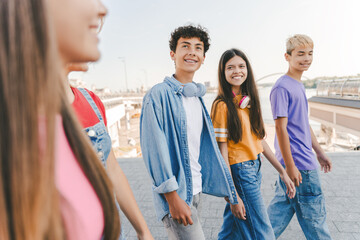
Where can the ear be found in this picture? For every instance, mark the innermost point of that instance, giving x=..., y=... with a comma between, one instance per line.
x=287, y=56
x=172, y=55
x=203, y=60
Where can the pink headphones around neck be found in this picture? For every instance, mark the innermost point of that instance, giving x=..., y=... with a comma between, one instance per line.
x=244, y=102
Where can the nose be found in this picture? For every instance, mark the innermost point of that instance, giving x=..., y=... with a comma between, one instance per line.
x=102, y=12
x=191, y=51
x=308, y=57
x=102, y=9
x=236, y=70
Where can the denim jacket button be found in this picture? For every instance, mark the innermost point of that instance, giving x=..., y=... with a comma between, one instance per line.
x=91, y=133
x=100, y=154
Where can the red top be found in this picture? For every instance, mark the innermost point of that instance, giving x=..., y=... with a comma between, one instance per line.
x=84, y=111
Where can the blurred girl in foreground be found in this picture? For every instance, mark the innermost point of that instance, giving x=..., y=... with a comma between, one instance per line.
x=51, y=184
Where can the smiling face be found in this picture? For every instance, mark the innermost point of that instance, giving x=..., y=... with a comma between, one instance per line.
x=236, y=73
x=76, y=24
x=189, y=55
x=300, y=59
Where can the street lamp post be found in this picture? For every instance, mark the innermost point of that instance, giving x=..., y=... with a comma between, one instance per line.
x=146, y=78
x=126, y=82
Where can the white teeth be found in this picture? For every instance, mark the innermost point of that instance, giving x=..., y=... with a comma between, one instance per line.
x=93, y=30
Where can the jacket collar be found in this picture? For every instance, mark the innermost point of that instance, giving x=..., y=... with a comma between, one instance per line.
x=177, y=86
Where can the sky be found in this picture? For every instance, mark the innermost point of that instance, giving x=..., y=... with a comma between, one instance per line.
x=135, y=36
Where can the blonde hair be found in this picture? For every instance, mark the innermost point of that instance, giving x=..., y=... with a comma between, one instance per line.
x=298, y=40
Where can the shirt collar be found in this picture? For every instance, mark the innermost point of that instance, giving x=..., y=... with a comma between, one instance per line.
x=177, y=86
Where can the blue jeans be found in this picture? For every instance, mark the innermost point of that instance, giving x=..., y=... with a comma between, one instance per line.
x=247, y=179
x=308, y=204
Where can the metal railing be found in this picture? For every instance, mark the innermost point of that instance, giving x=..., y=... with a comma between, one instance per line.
x=339, y=88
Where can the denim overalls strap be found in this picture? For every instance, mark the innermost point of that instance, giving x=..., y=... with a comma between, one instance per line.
x=97, y=133
x=92, y=103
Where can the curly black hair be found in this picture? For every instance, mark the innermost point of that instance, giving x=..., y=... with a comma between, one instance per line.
x=189, y=31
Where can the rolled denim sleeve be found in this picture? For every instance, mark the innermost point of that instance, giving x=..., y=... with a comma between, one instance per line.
x=155, y=148
x=167, y=186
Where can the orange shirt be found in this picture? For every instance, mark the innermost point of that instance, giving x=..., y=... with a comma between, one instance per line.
x=246, y=149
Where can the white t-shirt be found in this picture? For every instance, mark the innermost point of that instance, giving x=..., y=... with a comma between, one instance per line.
x=194, y=122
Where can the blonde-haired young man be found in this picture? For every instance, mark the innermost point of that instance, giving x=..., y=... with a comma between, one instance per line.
x=294, y=142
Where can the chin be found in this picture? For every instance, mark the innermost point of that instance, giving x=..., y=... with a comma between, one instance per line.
x=93, y=57
x=193, y=69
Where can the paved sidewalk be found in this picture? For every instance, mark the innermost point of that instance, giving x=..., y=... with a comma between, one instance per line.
x=341, y=188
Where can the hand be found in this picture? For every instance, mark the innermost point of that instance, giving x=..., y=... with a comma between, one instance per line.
x=294, y=175
x=290, y=186
x=325, y=162
x=238, y=210
x=179, y=210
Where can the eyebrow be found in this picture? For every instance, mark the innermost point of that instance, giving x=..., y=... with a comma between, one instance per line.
x=232, y=65
x=197, y=44
x=304, y=51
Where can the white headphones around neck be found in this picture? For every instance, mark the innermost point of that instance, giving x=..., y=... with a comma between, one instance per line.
x=244, y=102
x=193, y=90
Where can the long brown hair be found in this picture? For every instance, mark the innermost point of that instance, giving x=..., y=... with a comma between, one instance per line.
x=31, y=95
x=225, y=95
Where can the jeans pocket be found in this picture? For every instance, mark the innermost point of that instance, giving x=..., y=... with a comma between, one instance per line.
x=279, y=191
x=248, y=164
x=166, y=221
x=312, y=206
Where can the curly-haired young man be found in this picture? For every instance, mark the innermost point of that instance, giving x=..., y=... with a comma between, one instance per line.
x=178, y=142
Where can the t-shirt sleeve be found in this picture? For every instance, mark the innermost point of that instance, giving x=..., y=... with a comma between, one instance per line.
x=279, y=99
x=219, y=120
x=100, y=105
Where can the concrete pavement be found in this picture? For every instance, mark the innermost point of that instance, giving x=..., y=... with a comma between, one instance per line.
x=341, y=188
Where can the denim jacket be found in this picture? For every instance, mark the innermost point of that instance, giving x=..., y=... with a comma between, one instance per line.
x=163, y=138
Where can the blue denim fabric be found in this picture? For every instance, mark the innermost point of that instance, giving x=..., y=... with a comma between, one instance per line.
x=100, y=139
x=163, y=138
x=308, y=204
x=98, y=134
x=247, y=178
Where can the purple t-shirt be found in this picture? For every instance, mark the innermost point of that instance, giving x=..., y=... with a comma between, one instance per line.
x=288, y=99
